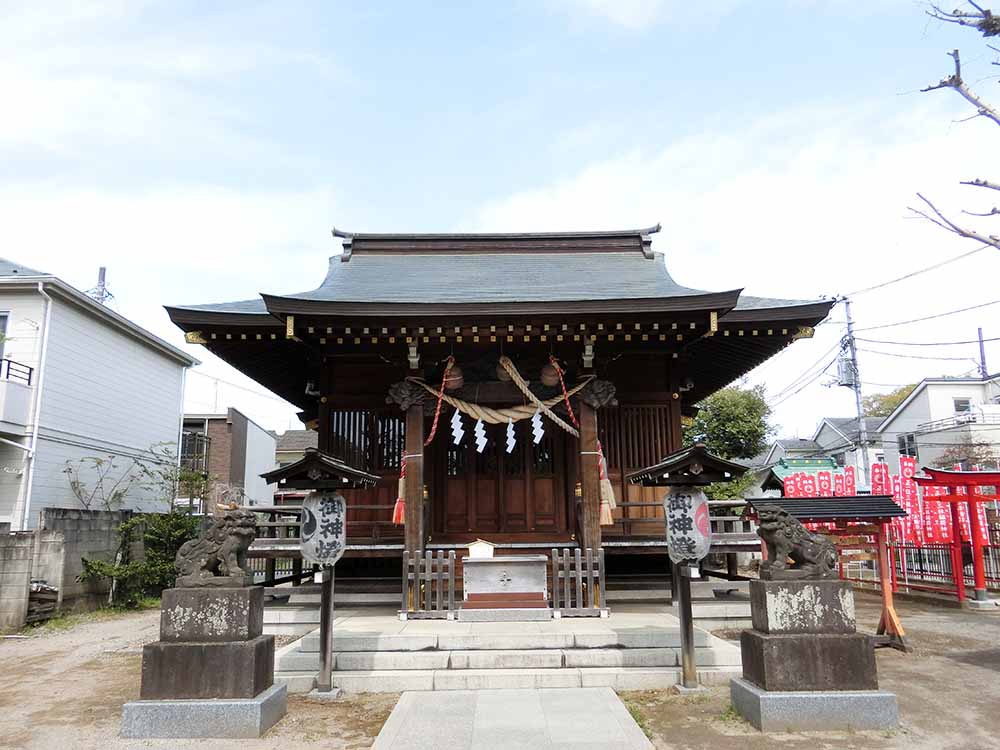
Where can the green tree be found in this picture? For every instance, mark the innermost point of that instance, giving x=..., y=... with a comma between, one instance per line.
x=882, y=404
x=732, y=422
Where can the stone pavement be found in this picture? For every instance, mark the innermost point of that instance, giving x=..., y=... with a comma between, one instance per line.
x=581, y=718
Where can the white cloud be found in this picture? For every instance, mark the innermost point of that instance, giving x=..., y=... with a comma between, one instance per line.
x=802, y=203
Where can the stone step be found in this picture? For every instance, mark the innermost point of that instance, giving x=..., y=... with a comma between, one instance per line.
x=342, y=599
x=291, y=615
x=296, y=682
x=717, y=655
x=393, y=681
x=626, y=638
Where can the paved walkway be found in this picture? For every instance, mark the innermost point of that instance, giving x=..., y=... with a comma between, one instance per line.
x=579, y=718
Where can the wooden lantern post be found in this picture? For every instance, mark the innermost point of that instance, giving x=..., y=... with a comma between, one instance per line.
x=686, y=473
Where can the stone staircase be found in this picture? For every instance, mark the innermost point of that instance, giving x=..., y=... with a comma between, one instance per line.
x=503, y=655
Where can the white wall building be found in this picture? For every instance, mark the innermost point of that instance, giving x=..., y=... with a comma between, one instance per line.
x=941, y=413
x=78, y=380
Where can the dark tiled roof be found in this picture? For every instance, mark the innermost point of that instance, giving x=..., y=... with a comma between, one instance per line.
x=10, y=268
x=297, y=440
x=495, y=268
x=849, y=425
x=832, y=508
x=799, y=444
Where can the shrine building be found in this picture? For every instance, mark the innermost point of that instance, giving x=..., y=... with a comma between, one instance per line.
x=566, y=360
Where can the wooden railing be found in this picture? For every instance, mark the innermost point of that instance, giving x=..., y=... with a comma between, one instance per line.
x=429, y=585
x=578, y=583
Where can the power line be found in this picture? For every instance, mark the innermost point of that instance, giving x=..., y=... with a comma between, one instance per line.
x=929, y=317
x=925, y=343
x=802, y=387
x=237, y=385
x=918, y=272
x=915, y=356
x=807, y=371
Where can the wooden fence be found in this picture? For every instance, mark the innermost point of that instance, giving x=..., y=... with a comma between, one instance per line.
x=578, y=583
x=429, y=585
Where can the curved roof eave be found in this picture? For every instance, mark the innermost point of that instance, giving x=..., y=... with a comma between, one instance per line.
x=722, y=302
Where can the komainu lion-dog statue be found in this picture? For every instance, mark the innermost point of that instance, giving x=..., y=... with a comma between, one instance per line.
x=811, y=555
x=217, y=558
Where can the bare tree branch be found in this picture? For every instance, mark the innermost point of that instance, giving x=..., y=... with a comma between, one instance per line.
x=945, y=223
x=982, y=184
x=955, y=81
x=992, y=212
x=982, y=19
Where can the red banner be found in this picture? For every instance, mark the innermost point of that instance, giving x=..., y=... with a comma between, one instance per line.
x=850, y=485
x=881, y=484
x=824, y=484
x=810, y=487
x=839, y=485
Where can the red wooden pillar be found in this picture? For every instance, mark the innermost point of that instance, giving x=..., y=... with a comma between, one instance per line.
x=413, y=511
x=956, y=553
x=590, y=479
x=975, y=530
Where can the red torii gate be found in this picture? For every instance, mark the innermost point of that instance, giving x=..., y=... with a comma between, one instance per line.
x=970, y=480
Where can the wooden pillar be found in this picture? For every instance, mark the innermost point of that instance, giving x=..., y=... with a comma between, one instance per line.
x=590, y=479
x=413, y=516
x=975, y=531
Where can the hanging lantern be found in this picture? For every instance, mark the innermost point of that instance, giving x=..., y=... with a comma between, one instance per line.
x=550, y=376
x=454, y=379
x=502, y=375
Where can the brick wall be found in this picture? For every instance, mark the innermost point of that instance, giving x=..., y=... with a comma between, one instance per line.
x=15, y=575
x=220, y=454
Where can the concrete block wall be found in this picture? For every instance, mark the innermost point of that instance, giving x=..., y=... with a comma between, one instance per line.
x=86, y=533
x=16, y=551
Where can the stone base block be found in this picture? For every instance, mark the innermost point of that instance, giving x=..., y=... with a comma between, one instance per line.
x=987, y=605
x=205, y=719
x=802, y=606
x=809, y=662
x=505, y=615
x=823, y=710
x=211, y=615
x=207, y=670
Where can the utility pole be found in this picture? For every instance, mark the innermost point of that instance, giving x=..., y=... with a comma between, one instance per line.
x=100, y=292
x=982, y=356
x=856, y=385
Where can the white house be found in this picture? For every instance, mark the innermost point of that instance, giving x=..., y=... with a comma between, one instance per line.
x=840, y=439
x=942, y=413
x=78, y=380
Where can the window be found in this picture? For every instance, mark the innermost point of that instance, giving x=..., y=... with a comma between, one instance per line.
x=840, y=458
x=880, y=458
x=962, y=405
x=3, y=331
x=907, y=445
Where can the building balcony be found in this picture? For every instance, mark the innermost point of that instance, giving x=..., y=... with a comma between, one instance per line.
x=16, y=388
x=988, y=414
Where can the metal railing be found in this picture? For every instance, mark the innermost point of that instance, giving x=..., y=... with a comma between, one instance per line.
x=929, y=566
x=957, y=420
x=15, y=371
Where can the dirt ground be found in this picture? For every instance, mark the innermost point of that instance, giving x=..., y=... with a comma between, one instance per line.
x=66, y=689
x=948, y=691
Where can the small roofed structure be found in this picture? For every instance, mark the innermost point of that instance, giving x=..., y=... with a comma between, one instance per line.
x=320, y=471
x=690, y=466
x=860, y=508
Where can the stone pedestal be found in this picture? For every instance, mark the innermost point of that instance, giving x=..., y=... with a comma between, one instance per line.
x=805, y=666
x=212, y=671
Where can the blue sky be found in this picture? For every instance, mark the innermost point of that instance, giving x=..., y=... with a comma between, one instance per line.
x=202, y=151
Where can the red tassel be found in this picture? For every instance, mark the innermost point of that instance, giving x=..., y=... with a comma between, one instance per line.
x=399, y=509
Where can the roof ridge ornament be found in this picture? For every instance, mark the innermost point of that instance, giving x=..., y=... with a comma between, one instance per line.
x=348, y=244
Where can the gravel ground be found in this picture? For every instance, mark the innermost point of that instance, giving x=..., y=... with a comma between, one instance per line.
x=66, y=689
